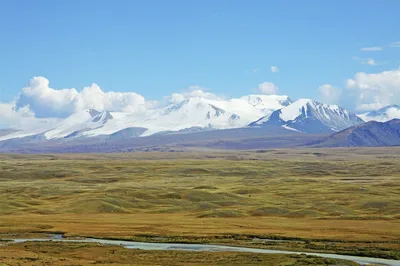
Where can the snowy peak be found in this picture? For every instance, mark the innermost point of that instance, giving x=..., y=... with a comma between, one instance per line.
x=267, y=102
x=193, y=112
x=194, y=105
x=311, y=117
x=196, y=113
x=304, y=108
x=382, y=115
x=92, y=112
x=217, y=112
x=79, y=122
x=102, y=117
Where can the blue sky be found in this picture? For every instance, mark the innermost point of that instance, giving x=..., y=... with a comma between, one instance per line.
x=156, y=48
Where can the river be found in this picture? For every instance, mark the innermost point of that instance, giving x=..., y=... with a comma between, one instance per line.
x=207, y=247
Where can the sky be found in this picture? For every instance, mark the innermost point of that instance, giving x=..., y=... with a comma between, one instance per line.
x=60, y=56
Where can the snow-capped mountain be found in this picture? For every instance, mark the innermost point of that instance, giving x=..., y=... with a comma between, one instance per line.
x=382, y=115
x=197, y=114
x=78, y=123
x=309, y=116
x=267, y=103
x=193, y=112
x=7, y=131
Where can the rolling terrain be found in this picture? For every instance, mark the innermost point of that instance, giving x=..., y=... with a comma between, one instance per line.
x=328, y=200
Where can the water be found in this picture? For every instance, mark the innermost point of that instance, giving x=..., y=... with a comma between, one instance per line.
x=206, y=247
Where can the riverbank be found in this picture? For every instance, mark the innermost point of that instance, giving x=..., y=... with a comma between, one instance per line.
x=372, y=238
x=251, y=244
x=64, y=254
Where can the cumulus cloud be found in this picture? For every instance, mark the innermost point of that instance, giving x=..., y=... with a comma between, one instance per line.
x=374, y=91
x=372, y=49
x=22, y=118
x=274, y=69
x=268, y=88
x=329, y=94
x=39, y=100
x=6, y=114
x=48, y=102
x=8, y=110
x=95, y=98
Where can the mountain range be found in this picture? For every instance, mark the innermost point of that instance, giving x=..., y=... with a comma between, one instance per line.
x=252, y=116
x=370, y=134
x=382, y=115
x=309, y=116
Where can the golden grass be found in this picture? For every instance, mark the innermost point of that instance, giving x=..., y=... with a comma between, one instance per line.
x=338, y=194
x=182, y=224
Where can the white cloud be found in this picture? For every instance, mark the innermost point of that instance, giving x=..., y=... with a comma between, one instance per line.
x=366, y=61
x=329, y=94
x=47, y=102
x=395, y=44
x=268, y=88
x=372, y=49
x=41, y=101
x=6, y=115
x=94, y=97
x=374, y=91
x=274, y=69
x=194, y=91
x=23, y=118
x=370, y=62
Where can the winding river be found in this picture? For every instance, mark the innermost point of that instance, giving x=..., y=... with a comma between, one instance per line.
x=207, y=247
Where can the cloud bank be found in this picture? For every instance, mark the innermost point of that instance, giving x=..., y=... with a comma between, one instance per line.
x=374, y=91
x=329, y=94
x=38, y=103
x=44, y=101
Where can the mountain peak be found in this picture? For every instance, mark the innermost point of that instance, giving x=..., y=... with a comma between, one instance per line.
x=102, y=117
x=93, y=112
x=382, y=115
x=392, y=106
x=369, y=134
x=257, y=99
x=304, y=101
x=310, y=116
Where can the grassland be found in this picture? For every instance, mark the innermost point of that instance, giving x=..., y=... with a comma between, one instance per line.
x=343, y=200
